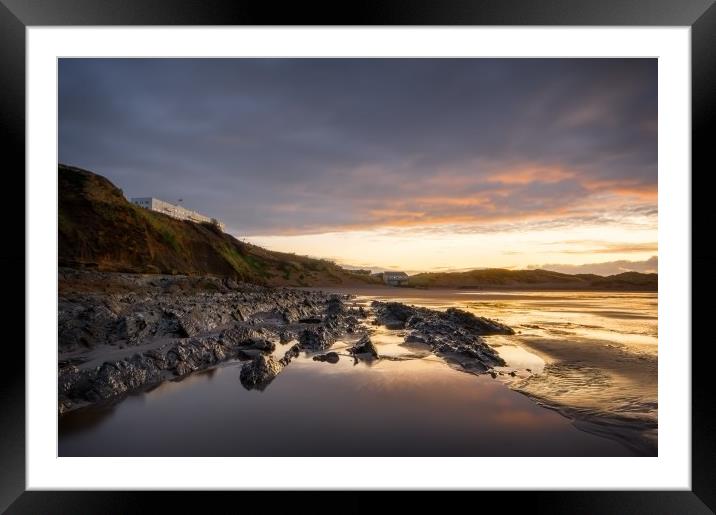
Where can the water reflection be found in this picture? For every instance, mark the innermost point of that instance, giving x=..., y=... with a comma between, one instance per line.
x=388, y=408
x=592, y=355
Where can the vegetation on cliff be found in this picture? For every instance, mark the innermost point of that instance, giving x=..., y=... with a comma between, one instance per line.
x=100, y=229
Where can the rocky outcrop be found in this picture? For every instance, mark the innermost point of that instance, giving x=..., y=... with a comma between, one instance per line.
x=394, y=315
x=118, y=342
x=337, y=322
x=176, y=358
x=153, y=336
x=364, y=347
x=480, y=325
x=259, y=372
x=318, y=338
x=454, y=334
x=155, y=309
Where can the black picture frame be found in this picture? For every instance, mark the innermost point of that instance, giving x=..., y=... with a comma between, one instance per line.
x=17, y=15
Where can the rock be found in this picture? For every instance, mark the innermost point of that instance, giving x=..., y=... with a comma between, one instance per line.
x=364, y=346
x=238, y=334
x=335, y=306
x=414, y=338
x=68, y=377
x=259, y=372
x=286, y=336
x=119, y=377
x=453, y=334
x=393, y=315
x=64, y=406
x=200, y=320
x=319, y=338
x=84, y=324
x=291, y=353
x=192, y=323
x=330, y=357
x=260, y=344
x=479, y=325
x=246, y=338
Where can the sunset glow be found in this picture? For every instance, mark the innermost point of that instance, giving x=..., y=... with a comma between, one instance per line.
x=414, y=164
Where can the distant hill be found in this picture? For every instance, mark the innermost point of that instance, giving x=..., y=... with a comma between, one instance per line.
x=533, y=279
x=99, y=229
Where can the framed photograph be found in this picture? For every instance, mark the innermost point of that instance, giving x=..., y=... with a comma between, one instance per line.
x=442, y=248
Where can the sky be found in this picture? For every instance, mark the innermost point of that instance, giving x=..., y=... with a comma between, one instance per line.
x=406, y=164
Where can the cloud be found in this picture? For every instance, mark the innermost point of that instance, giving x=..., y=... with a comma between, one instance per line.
x=294, y=146
x=650, y=265
x=604, y=247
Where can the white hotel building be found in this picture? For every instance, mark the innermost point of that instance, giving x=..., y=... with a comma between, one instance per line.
x=178, y=212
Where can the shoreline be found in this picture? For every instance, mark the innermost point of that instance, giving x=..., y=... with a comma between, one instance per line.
x=169, y=328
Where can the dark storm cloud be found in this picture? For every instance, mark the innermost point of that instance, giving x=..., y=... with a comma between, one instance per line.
x=297, y=145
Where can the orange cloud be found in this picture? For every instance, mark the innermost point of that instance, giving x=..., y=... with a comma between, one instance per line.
x=623, y=188
x=532, y=174
x=603, y=247
x=479, y=193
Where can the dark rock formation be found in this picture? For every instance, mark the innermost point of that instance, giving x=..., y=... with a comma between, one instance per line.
x=318, y=338
x=365, y=347
x=154, y=334
x=393, y=315
x=158, y=328
x=149, y=307
x=453, y=334
x=258, y=373
x=291, y=353
x=480, y=325
x=330, y=357
x=337, y=322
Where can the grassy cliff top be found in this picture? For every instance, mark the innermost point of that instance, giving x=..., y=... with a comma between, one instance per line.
x=99, y=229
